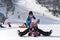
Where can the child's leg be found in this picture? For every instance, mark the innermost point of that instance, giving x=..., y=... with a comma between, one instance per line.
x=39, y=34
x=23, y=33
x=45, y=33
x=29, y=34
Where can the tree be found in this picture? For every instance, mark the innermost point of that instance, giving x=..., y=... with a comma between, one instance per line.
x=10, y=6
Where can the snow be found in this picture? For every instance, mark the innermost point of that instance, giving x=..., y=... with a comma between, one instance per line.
x=47, y=22
x=11, y=34
x=32, y=6
x=24, y=6
x=22, y=9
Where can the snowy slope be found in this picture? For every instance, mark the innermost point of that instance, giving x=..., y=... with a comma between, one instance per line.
x=24, y=6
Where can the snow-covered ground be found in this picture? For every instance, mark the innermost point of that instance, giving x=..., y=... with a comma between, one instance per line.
x=11, y=33
x=47, y=22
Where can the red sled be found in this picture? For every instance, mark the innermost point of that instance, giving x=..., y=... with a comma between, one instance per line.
x=23, y=26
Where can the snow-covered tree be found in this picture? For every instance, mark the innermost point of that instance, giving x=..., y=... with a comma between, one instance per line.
x=10, y=5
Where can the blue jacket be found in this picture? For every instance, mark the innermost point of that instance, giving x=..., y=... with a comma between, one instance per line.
x=28, y=21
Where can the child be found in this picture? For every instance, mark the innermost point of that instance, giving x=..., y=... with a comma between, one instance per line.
x=33, y=28
x=30, y=17
x=29, y=22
